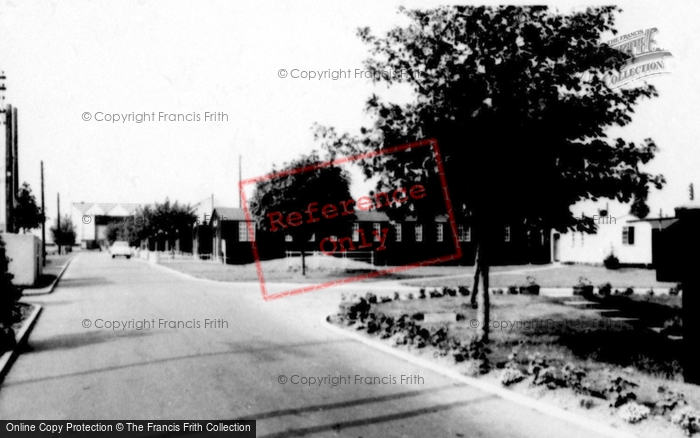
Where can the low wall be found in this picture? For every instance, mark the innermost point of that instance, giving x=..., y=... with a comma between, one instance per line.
x=24, y=252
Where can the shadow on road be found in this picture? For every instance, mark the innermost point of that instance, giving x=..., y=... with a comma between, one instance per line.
x=337, y=427
x=255, y=352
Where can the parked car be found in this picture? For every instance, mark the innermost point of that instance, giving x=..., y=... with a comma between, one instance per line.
x=51, y=249
x=120, y=248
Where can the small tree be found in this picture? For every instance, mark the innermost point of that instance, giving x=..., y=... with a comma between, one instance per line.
x=27, y=214
x=303, y=183
x=66, y=234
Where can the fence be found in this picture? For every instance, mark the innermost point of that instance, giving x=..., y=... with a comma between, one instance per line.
x=315, y=258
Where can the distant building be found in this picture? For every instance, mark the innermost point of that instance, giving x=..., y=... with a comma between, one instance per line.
x=406, y=242
x=91, y=220
x=631, y=239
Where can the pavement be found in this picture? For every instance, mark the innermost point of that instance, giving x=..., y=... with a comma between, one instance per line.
x=234, y=370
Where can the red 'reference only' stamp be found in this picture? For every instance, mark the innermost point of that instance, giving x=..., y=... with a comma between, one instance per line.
x=376, y=240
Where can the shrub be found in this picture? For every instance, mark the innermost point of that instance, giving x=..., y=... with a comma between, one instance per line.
x=605, y=289
x=436, y=294
x=611, y=262
x=673, y=291
x=531, y=287
x=513, y=290
x=511, y=375
x=463, y=290
x=583, y=287
x=619, y=388
x=9, y=294
x=687, y=419
x=670, y=400
x=587, y=403
x=633, y=412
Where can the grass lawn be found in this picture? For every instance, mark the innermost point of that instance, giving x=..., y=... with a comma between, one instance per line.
x=535, y=326
x=322, y=268
x=319, y=269
x=557, y=276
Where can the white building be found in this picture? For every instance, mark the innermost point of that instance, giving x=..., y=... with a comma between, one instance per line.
x=91, y=220
x=626, y=236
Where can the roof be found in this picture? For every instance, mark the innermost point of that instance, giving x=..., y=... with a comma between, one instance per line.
x=660, y=223
x=371, y=216
x=229, y=214
x=438, y=218
x=106, y=209
x=238, y=214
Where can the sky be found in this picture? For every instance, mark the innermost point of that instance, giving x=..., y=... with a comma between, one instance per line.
x=64, y=60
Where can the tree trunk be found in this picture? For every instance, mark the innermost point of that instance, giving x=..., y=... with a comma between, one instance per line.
x=303, y=262
x=477, y=272
x=483, y=305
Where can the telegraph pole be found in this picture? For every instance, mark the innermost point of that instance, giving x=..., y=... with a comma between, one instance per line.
x=58, y=222
x=43, y=215
x=9, y=178
x=15, y=160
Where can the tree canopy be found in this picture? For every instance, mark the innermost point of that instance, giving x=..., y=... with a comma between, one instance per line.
x=65, y=235
x=27, y=214
x=302, y=183
x=502, y=89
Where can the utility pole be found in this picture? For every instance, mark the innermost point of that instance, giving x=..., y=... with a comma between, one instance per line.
x=43, y=221
x=15, y=160
x=9, y=178
x=58, y=222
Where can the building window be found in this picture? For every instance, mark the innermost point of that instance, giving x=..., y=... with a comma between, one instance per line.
x=440, y=233
x=628, y=235
x=244, y=234
x=397, y=230
x=355, y=232
x=419, y=233
x=377, y=231
x=506, y=233
x=288, y=238
x=464, y=233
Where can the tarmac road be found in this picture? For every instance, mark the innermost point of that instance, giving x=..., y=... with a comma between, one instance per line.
x=233, y=368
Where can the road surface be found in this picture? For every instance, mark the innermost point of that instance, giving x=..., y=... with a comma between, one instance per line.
x=233, y=370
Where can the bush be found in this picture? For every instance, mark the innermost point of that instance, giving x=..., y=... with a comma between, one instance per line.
x=633, y=412
x=675, y=290
x=531, y=287
x=511, y=375
x=605, y=289
x=9, y=294
x=464, y=291
x=687, y=419
x=611, y=262
x=583, y=287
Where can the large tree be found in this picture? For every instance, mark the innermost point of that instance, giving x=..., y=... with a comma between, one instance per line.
x=27, y=215
x=304, y=185
x=517, y=99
